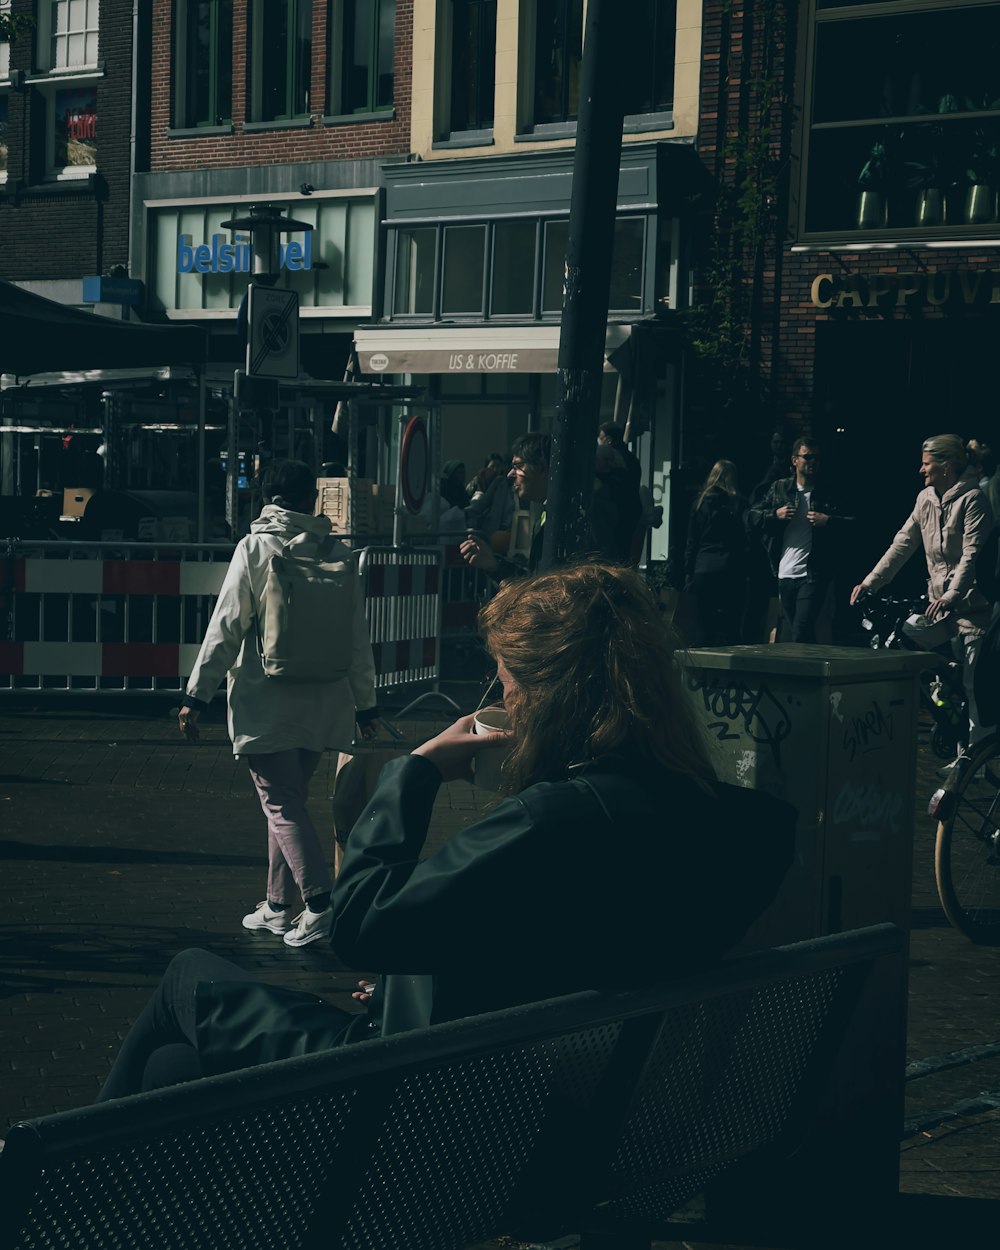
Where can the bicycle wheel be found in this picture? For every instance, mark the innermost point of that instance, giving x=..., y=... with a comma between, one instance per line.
x=967, y=852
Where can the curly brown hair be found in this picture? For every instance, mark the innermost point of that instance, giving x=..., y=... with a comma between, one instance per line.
x=593, y=662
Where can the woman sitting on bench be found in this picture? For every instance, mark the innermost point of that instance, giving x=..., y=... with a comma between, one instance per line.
x=615, y=857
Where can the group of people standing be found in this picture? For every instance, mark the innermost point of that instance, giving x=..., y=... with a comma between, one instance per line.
x=788, y=533
x=802, y=531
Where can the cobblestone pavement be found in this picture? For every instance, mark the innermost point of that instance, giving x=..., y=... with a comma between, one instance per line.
x=122, y=844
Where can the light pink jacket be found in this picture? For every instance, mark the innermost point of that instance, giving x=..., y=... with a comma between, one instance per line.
x=953, y=529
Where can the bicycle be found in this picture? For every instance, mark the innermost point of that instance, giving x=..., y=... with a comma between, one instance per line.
x=940, y=688
x=967, y=850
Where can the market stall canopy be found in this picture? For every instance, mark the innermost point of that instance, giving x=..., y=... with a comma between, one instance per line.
x=37, y=335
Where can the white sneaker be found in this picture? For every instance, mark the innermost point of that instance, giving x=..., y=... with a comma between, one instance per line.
x=957, y=766
x=309, y=927
x=264, y=916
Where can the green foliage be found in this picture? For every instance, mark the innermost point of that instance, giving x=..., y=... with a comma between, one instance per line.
x=743, y=222
x=13, y=26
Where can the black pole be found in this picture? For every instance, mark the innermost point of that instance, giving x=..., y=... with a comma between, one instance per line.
x=587, y=281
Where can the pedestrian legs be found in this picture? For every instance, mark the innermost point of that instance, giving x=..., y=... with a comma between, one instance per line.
x=295, y=854
x=801, y=603
x=967, y=648
x=161, y=1046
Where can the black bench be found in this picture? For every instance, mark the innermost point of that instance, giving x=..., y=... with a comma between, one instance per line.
x=765, y=1094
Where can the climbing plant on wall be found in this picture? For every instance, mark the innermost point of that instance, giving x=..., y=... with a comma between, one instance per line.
x=738, y=252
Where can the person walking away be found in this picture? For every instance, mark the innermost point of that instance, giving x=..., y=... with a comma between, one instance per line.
x=952, y=519
x=801, y=527
x=715, y=559
x=282, y=726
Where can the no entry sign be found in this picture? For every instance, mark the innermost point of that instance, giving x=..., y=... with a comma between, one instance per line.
x=273, y=341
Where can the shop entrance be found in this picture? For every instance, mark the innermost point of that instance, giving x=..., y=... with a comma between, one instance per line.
x=881, y=388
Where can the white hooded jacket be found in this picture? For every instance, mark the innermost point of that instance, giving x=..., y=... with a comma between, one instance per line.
x=267, y=714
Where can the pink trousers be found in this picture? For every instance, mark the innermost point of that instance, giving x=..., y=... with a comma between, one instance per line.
x=295, y=858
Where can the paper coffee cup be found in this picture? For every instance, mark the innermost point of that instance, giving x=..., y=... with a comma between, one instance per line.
x=486, y=765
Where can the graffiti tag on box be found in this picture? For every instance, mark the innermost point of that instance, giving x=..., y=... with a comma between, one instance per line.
x=869, y=732
x=737, y=710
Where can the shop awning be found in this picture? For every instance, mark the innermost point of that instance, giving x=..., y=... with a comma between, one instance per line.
x=467, y=349
x=38, y=335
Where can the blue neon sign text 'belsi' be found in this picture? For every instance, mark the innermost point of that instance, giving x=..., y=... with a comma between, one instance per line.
x=221, y=256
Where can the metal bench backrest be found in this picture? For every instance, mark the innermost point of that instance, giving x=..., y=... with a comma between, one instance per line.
x=437, y=1138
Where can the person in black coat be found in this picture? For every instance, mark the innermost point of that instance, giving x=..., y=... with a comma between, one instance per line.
x=614, y=858
x=715, y=558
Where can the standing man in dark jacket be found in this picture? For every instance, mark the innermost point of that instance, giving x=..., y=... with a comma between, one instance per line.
x=800, y=527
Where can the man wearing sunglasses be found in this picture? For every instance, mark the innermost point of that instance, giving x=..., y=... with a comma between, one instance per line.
x=799, y=525
x=529, y=478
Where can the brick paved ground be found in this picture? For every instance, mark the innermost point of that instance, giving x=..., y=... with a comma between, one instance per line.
x=122, y=844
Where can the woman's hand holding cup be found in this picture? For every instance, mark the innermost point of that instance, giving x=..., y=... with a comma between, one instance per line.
x=453, y=750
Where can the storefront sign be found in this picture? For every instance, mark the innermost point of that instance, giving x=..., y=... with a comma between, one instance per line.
x=932, y=288
x=223, y=256
x=436, y=360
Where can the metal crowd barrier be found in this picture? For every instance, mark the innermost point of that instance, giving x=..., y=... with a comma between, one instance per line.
x=128, y=618
x=403, y=606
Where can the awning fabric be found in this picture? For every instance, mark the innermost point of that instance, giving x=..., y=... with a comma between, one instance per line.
x=466, y=349
x=38, y=335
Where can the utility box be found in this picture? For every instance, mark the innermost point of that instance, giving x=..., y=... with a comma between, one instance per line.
x=833, y=731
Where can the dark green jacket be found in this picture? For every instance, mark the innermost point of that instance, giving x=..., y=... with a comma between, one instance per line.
x=616, y=876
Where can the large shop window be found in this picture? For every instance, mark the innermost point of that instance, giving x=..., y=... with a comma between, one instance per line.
x=361, y=56
x=203, y=63
x=506, y=269
x=281, y=59
x=903, y=120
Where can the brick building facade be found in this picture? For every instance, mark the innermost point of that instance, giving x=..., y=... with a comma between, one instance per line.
x=870, y=326
x=55, y=227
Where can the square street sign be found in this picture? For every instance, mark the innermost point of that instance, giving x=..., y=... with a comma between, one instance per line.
x=273, y=341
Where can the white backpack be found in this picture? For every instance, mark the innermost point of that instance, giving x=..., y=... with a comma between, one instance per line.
x=306, y=618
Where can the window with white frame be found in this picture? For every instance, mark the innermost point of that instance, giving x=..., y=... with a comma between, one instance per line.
x=4, y=96
x=67, y=54
x=4, y=114
x=362, y=44
x=280, y=59
x=203, y=62
x=67, y=34
x=4, y=45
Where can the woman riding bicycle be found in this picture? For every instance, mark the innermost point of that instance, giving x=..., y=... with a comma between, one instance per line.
x=953, y=520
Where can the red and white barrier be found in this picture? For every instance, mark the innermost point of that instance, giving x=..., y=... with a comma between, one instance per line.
x=81, y=622
x=86, y=618
x=403, y=607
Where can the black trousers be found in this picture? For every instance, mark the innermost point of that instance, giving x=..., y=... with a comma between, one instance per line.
x=802, y=601
x=161, y=1047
